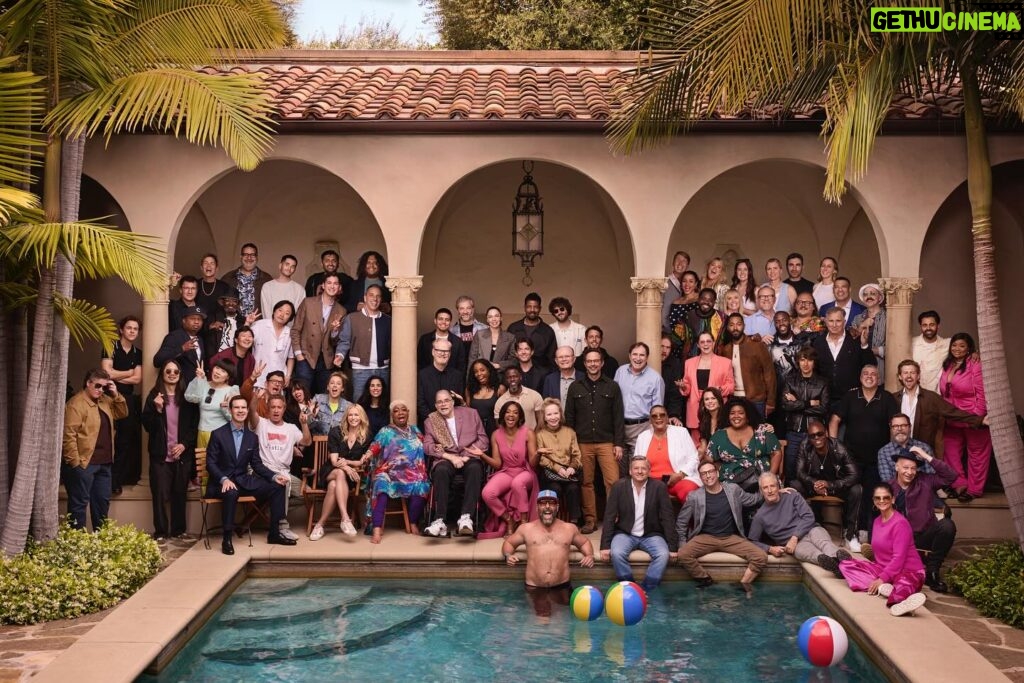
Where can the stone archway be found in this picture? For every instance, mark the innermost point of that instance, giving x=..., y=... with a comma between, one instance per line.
x=948, y=272
x=588, y=254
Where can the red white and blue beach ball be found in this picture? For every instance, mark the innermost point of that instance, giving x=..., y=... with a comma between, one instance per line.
x=625, y=603
x=822, y=641
x=586, y=603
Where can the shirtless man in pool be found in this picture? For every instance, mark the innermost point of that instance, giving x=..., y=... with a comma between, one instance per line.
x=547, y=554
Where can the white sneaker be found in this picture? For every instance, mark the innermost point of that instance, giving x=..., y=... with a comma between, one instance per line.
x=465, y=526
x=862, y=536
x=853, y=544
x=437, y=528
x=885, y=590
x=908, y=605
x=348, y=528
x=317, y=533
x=286, y=532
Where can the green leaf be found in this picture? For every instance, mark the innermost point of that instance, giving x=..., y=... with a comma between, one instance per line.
x=87, y=322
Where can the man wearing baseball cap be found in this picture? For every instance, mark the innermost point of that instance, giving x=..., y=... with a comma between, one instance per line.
x=184, y=346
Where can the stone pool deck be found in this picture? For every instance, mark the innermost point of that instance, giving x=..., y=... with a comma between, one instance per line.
x=946, y=641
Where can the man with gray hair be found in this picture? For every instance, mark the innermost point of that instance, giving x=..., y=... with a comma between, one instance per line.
x=787, y=522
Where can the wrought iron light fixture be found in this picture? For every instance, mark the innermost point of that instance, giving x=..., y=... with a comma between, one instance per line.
x=528, y=223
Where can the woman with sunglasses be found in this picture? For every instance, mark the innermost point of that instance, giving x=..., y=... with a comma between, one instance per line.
x=896, y=573
x=212, y=397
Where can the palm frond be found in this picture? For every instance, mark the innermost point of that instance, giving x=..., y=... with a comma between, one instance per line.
x=16, y=294
x=98, y=252
x=224, y=110
x=17, y=204
x=86, y=322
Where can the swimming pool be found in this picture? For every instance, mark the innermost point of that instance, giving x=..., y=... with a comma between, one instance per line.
x=457, y=629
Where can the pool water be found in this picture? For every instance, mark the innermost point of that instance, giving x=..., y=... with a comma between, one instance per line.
x=471, y=630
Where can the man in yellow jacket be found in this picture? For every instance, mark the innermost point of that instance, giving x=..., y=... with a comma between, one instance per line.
x=89, y=447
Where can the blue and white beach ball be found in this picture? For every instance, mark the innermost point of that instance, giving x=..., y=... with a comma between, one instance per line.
x=586, y=603
x=822, y=641
x=625, y=603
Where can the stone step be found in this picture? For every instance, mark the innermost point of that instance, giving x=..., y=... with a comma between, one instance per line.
x=986, y=517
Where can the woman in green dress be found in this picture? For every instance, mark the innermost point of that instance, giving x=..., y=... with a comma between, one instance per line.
x=744, y=449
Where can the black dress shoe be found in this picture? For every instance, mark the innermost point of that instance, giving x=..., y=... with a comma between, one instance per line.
x=935, y=582
x=226, y=547
x=280, y=540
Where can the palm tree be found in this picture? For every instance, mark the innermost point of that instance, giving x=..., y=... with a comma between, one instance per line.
x=738, y=53
x=109, y=66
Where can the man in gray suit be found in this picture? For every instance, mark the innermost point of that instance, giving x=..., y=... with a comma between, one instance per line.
x=716, y=513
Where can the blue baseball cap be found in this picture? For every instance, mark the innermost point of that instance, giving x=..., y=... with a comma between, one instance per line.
x=547, y=494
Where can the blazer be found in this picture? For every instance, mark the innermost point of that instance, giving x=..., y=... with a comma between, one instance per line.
x=82, y=425
x=721, y=377
x=620, y=513
x=469, y=432
x=855, y=310
x=504, y=354
x=170, y=349
x=965, y=390
x=552, y=387
x=696, y=507
x=759, y=378
x=222, y=462
x=310, y=337
x=929, y=413
x=156, y=425
x=843, y=371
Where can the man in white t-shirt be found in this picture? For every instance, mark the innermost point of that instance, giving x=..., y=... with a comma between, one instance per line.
x=930, y=350
x=278, y=442
x=283, y=287
x=568, y=332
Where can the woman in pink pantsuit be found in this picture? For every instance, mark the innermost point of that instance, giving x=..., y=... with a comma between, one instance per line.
x=703, y=371
x=897, y=572
x=960, y=384
x=510, y=490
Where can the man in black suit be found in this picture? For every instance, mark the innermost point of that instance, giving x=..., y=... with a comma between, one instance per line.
x=233, y=450
x=840, y=357
x=184, y=346
x=638, y=514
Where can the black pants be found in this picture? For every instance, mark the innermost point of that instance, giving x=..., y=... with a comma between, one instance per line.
x=851, y=505
x=938, y=539
x=168, y=482
x=442, y=477
x=127, y=467
x=568, y=494
x=869, y=479
x=262, y=490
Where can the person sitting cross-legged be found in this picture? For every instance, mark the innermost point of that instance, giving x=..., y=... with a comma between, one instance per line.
x=825, y=468
x=639, y=515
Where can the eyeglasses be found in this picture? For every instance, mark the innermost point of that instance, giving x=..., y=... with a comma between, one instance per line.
x=209, y=395
x=705, y=473
x=900, y=426
x=816, y=435
x=765, y=296
x=443, y=352
x=248, y=254
x=882, y=498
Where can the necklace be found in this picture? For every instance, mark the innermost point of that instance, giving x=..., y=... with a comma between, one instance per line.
x=202, y=284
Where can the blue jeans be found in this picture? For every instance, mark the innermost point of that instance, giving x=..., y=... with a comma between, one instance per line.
x=655, y=546
x=89, y=486
x=793, y=442
x=314, y=378
x=361, y=377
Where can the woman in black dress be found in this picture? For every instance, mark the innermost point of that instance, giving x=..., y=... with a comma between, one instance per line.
x=347, y=446
x=375, y=401
x=482, y=392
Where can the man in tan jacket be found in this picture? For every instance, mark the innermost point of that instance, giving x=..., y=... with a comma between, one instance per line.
x=751, y=364
x=88, y=450
x=315, y=334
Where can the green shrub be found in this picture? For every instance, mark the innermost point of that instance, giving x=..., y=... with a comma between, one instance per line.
x=76, y=573
x=993, y=581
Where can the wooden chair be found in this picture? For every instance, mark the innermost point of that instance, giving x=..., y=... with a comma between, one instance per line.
x=829, y=501
x=205, y=503
x=403, y=510
x=312, y=493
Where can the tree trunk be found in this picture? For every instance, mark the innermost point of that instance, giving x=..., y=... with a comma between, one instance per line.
x=5, y=423
x=1006, y=441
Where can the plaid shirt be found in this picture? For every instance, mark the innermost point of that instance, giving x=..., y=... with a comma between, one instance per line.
x=887, y=466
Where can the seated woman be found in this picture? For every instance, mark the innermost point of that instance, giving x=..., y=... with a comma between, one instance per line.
x=561, y=460
x=671, y=453
x=745, y=449
x=375, y=400
x=330, y=406
x=897, y=572
x=347, y=447
x=398, y=469
x=510, y=490
x=710, y=418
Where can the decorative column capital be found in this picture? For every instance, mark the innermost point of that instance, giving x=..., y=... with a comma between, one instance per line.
x=403, y=288
x=649, y=290
x=900, y=291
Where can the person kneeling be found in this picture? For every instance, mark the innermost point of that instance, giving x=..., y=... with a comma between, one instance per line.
x=639, y=515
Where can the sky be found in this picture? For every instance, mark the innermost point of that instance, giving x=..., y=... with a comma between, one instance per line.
x=325, y=16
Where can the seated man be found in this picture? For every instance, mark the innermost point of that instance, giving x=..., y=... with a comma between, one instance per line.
x=278, y=441
x=234, y=450
x=547, y=542
x=454, y=441
x=824, y=468
x=787, y=521
x=715, y=512
x=670, y=451
x=914, y=496
x=638, y=514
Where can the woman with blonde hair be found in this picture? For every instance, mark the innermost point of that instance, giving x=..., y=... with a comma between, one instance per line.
x=715, y=279
x=827, y=272
x=347, y=447
x=560, y=457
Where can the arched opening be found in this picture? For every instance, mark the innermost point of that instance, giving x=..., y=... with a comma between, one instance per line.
x=588, y=255
x=284, y=207
x=948, y=269
x=769, y=209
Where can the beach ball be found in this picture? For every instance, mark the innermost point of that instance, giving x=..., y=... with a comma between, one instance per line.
x=822, y=641
x=625, y=603
x=586, y=603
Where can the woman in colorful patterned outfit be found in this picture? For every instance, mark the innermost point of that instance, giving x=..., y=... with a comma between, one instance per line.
x=715, y=279
x=961, y=384
x=510, y=490
x=398, y=469
x=682, y=338
x=745, y=449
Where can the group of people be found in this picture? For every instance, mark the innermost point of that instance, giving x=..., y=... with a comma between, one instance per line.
x=757, y=383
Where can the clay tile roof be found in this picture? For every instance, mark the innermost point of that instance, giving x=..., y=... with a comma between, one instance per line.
x=495, y=89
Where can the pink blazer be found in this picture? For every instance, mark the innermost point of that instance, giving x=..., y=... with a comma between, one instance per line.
x=721, y=378
x=966, y=391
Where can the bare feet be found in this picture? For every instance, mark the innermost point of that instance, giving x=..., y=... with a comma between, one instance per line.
x=378, y=534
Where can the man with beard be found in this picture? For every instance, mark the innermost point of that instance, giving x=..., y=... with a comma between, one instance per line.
x=672, y=376
x=844, y=302
x=926, y=409
x=211, y=289
x=567, y=331
x=796, y=280
x=929, y=349
x=705, y=318
x=899, y=439
x=806, y=325
x=248, y=279
x=529, y=400
x=751, y=365
x=547, y=543
x=783, y=348
x=537, y=331
x=594, y=339
x=329, y=261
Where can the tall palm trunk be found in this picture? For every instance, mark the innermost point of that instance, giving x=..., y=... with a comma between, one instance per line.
x=5, y=422
x=1006, y=441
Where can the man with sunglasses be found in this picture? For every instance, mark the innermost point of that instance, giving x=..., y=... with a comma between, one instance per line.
x=567, y=331
x=824, y=468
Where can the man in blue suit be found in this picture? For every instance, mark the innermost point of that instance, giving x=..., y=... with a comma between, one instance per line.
x=233, y=451
x=556, y=384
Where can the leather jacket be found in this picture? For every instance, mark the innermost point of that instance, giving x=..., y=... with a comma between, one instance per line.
x=805, y=389
x=836, y=467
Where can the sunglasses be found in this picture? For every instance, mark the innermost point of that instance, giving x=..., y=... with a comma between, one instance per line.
x=816, y=435
x=209, y=395
x=882, y=498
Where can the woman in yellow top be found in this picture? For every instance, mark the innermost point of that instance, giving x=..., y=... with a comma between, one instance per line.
x=560, y=457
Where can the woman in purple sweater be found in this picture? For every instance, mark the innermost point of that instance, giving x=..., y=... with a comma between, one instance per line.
x=897, y=572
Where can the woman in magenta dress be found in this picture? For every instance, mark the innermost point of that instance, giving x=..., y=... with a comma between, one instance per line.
x=960, y=383
x=510, y=490
x=896, y=573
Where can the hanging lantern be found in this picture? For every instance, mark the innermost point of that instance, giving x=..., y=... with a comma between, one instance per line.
x=528, y=223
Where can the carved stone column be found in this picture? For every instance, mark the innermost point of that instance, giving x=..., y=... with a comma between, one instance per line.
x=154, y=329
x=899, y=298
x=649, y=294
x=403, y=338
